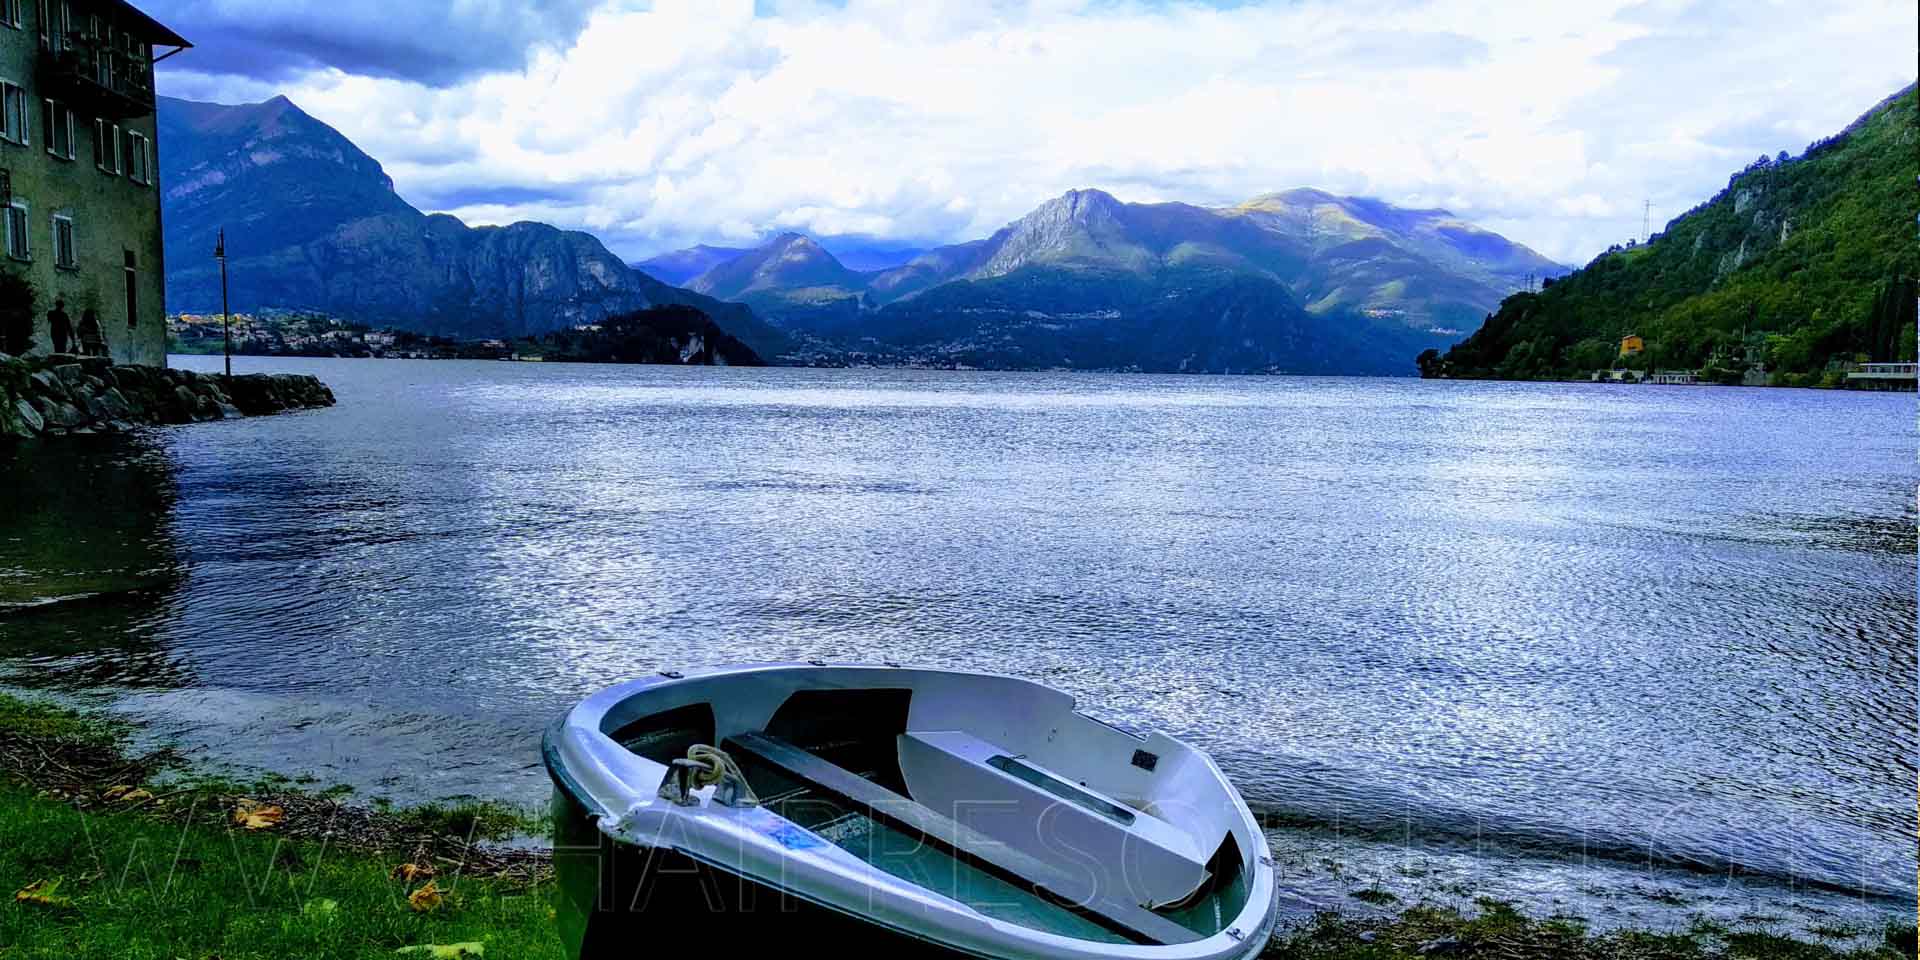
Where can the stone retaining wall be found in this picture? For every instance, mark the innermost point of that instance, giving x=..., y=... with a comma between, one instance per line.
x=60, y=395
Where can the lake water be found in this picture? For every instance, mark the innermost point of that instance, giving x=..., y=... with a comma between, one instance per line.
x=1606, y=650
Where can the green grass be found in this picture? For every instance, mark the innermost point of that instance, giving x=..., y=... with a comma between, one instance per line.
x=42, y=720
x=472, y=818
x=170, y=875
x=136, y=887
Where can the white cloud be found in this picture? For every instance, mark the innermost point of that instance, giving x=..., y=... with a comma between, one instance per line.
x=680, y=121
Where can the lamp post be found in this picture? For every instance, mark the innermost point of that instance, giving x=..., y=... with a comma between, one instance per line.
x=226, y=317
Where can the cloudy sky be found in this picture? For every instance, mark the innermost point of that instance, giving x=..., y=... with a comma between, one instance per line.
x=658, y=125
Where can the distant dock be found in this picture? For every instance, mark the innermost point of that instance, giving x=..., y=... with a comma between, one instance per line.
x=1884, y=376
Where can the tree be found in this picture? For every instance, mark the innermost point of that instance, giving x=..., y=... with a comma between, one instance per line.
x=1719, y=270
x=1593, y=353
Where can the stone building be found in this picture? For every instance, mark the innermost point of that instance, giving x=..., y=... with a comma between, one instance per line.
x=79, y=171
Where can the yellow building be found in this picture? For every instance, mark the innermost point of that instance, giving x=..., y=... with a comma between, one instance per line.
x=1631, y=345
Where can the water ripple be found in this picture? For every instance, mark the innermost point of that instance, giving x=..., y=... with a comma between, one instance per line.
x=1647, y=625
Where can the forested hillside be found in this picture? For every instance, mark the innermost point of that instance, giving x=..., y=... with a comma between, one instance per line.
x=1799, y=262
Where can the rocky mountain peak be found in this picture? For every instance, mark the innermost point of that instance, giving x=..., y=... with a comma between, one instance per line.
x=1083, y=227
x=789, y=260
x=1078, y=205
x=1296, y=197
x=313, y=223
x=797, y=246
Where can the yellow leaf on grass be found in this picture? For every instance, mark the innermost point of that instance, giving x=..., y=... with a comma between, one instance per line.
x=115, y=793
x=412, y=871
x=135, y=796
x=254, y=815
x=42, y=893
x=447, y=951
x=427, y=898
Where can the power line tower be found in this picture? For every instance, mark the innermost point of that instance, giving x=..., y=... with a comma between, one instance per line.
x=1646, y=222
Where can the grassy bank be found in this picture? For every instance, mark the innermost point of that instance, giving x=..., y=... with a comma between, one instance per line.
x=105, y=855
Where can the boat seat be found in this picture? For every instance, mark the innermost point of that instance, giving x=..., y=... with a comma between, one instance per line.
x=1026, y=806
x=1042, y=876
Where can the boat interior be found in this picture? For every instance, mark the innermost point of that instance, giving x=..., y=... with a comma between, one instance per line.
x=988, y=790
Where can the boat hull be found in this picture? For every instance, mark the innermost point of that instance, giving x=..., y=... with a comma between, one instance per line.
x=864, y=773
x=616, y=899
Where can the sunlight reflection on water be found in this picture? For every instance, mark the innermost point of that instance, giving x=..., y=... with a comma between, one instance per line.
x=1634, y=619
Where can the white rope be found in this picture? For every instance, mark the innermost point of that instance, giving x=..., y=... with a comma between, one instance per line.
x=717, y=767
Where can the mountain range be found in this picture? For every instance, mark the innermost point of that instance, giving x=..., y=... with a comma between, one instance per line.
x=1301, y=281
x=313, y=223
x=1801, y=261
x=678, y=267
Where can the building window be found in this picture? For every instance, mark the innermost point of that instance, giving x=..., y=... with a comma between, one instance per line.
x=107, y=147
x=139, y=158
x=133, y=290
x=63, y=253
x=18, y=246
x=56, y=24
x=57, y=127
x=13, y=113
x=102, y=39
x=132, y=51
x=10, y=13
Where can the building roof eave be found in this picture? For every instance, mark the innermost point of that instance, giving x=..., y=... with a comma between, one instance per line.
x=152, y=30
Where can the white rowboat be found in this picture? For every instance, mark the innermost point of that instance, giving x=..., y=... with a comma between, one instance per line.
x=886, y=811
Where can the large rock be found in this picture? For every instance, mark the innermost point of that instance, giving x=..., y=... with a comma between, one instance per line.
x=128, y=401
x=181, y=409
x=63, y=415
x=111, y=405
x=26, y=421
x=256, y=393
x=132, y=377
x=49, y=384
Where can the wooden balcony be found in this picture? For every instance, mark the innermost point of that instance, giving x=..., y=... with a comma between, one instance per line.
x=118, y=89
